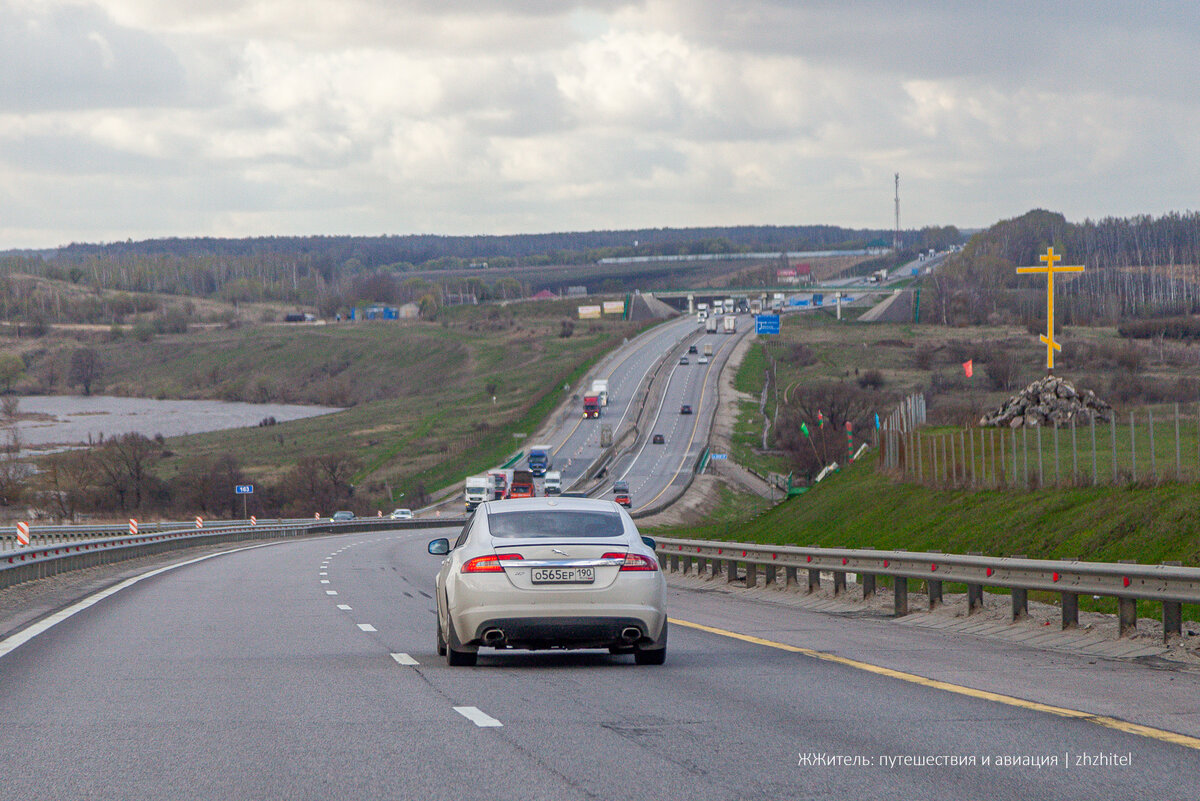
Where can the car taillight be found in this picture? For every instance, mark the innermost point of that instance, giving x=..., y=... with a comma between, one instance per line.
x=488, y=564
x=633, y=561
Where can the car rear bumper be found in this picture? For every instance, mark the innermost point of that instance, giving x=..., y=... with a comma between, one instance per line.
x=565, y=632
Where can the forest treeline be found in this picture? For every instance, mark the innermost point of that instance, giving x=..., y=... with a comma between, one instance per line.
x=1135, y=267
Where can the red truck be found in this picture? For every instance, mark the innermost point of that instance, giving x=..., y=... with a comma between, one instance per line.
x=522, y=484
x=591, y=405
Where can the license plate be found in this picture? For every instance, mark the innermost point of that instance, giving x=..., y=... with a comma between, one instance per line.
x=563, y=575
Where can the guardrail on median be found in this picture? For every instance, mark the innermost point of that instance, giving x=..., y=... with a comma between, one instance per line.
x=1170, y=585
x=48, y=559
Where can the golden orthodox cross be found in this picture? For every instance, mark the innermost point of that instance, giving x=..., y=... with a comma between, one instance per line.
x=1050, y=257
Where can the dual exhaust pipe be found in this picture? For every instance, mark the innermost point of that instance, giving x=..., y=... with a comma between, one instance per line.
x=494, y=637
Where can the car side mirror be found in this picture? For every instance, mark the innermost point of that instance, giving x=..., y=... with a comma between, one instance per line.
x=650, y=543
x=440, y=546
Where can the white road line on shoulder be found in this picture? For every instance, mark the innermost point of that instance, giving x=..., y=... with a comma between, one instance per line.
x=366, y=627
x=25, y=635
x=477, y=717
x=404, y=659
x=331, y=592
x=345, y=607
x=324, y=581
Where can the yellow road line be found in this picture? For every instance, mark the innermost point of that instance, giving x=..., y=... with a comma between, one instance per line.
x=1100, y=720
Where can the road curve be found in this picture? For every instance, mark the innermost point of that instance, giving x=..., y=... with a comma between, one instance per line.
x=248, y=676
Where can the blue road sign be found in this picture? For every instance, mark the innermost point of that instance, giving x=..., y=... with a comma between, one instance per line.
x=766, y=324
x=718, y=456
x=244, y=489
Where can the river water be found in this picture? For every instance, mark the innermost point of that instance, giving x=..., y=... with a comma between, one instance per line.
x=65, y=421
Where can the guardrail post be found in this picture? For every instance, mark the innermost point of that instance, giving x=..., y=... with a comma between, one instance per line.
x=1020, y=598
x=732, y=571
x=1070, y=610
x=770, y=571
x=1126, y=610
x=789, y=577
x=1172, y=611
x=687, y=565
x=935, y=593
x=674, y=563
x=1126, y=616
x=751, y=574
x=814, y=580
x=868, y=584
x=974, y=591
x=900, y=595
x=839, y=582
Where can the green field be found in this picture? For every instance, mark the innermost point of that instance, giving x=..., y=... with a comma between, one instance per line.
x=424, y=413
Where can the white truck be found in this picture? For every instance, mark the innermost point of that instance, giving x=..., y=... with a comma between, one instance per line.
x=477, y=490
x=710, y=325
x=553, y=485
x=730, y=324
x=600, y=389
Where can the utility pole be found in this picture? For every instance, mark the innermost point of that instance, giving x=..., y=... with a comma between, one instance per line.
x=896, y=235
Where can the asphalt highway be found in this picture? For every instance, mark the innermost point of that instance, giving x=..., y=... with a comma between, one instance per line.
x=307, y=670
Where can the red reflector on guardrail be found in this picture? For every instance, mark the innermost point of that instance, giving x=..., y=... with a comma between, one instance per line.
x=989, y=571
x=933, y=568
x=886, y=563
x=1055, y=575
x=1125, y=580
x=845, y=561
x=808, y=558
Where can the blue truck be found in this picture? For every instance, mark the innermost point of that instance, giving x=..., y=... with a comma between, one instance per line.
x=539, y=460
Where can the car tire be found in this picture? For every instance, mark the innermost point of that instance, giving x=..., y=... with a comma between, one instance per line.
x=441, y=641
x=454, y=656
x=653, y=656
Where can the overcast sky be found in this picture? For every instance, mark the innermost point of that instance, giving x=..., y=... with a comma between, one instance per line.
x=148, y=118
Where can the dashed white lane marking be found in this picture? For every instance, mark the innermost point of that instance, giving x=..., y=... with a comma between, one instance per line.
x=366, y=627
x=345, y=607
x=405, y=659
x=324, y=581
x=322, y=574
x=331, y=592
x=477, y=717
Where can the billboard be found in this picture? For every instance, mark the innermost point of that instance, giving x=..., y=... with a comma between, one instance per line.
x=589, y=312
x=614, y=307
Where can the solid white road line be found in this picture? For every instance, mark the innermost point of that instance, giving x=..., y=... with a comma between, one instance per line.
x=345, y=607
x=405, y=659
x=331, y=592
x=366, y=627
x=480, y=719
x=324, y=581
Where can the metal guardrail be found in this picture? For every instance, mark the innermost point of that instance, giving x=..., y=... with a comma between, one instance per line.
x=1170, y=585
x=104, y=547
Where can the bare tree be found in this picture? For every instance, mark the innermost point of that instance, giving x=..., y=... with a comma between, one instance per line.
x=86, y=368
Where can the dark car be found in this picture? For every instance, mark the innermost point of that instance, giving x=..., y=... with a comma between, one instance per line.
x=685, y=409
x=658, y=439
x=692, y=349
x=342, y=517
x=621, y=486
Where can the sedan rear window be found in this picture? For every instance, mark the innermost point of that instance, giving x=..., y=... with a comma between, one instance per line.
x=556, y=523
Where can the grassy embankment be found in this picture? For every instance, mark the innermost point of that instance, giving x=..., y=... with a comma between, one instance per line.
x=863, y=507
x=423, y=412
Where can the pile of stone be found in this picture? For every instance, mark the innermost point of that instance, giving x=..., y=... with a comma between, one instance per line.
x=1046, y=402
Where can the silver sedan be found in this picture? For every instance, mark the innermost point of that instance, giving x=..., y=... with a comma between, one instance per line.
x=550, y=573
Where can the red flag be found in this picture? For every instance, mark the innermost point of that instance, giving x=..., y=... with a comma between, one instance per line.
x=969, y=367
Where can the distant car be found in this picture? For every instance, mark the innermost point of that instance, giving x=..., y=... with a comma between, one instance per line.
x=620, y=486
x=401, y=514
x=550, y=573
x=683, y=360
x=343, y=516
x=702, y=360
x=685, y=409
x=623, y=500
x=657, y=439
x=692, y=349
